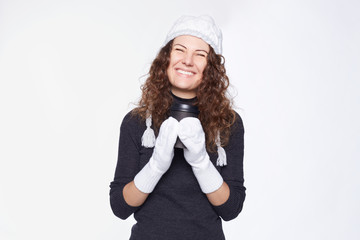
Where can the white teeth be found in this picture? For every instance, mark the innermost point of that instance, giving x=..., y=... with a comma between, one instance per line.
x=185, y=72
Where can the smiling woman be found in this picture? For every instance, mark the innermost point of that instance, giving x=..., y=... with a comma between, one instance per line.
x=182, y=192
x=188, y=60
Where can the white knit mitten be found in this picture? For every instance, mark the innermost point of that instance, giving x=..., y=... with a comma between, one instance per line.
x=161, y=158
x=192, y=136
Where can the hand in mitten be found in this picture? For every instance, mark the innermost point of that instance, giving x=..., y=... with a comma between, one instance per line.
x=192, y=136
x=161, y=158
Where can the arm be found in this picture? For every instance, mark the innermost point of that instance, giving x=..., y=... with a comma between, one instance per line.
x=133, y=196
x=193, y=137
x=130, y=188
x=225, y=191
x=127, y=165
x=220, y=196
x=233, y=173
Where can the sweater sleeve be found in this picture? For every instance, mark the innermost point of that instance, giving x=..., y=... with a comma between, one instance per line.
x=127, y=165
x=233, y=173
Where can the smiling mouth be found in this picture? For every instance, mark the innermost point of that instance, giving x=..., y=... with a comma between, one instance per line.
x=185, y=72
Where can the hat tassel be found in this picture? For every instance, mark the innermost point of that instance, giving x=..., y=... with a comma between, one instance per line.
x=221, y=161
x=148, y=138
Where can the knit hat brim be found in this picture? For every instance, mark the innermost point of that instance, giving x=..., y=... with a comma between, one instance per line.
x=203, y=27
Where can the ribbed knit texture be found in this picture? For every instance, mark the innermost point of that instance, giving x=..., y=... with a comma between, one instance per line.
x=177, y=208
x=147, y=178
x=208, y=178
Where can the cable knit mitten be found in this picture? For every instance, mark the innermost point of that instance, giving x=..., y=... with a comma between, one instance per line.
x=192, y=136
x=161, y=158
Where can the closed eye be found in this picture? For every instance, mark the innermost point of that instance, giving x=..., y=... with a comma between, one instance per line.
x=179, y=49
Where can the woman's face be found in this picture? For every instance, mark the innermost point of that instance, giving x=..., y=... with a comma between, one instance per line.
x=188, y=59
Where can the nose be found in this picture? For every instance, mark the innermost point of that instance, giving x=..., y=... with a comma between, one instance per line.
x=188, y=59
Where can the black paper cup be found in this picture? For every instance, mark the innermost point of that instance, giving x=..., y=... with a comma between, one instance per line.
x=180, y=111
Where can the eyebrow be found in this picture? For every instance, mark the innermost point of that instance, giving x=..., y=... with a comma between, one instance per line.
x=186, y=48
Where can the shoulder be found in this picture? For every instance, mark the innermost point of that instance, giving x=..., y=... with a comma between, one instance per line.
x=132, y=118
x=133, y=123
x=235, y=146
x=238, y=123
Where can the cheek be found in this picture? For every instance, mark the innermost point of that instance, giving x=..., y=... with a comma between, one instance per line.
x=168, y=73
x=203, y=68
x=174, y=58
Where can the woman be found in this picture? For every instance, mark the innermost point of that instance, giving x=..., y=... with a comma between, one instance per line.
x=182, y=193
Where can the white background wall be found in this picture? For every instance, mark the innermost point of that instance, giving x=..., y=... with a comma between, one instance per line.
x=69, y=69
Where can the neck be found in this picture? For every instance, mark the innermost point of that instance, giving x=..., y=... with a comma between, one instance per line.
x=182, y=99
x=183, y=95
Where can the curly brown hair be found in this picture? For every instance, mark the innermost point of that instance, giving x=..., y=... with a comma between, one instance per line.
x=216, y=114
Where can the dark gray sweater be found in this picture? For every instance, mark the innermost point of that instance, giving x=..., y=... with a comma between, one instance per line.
x=176, y=209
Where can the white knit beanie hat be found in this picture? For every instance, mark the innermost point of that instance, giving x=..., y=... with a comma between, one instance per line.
x=203, y=27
